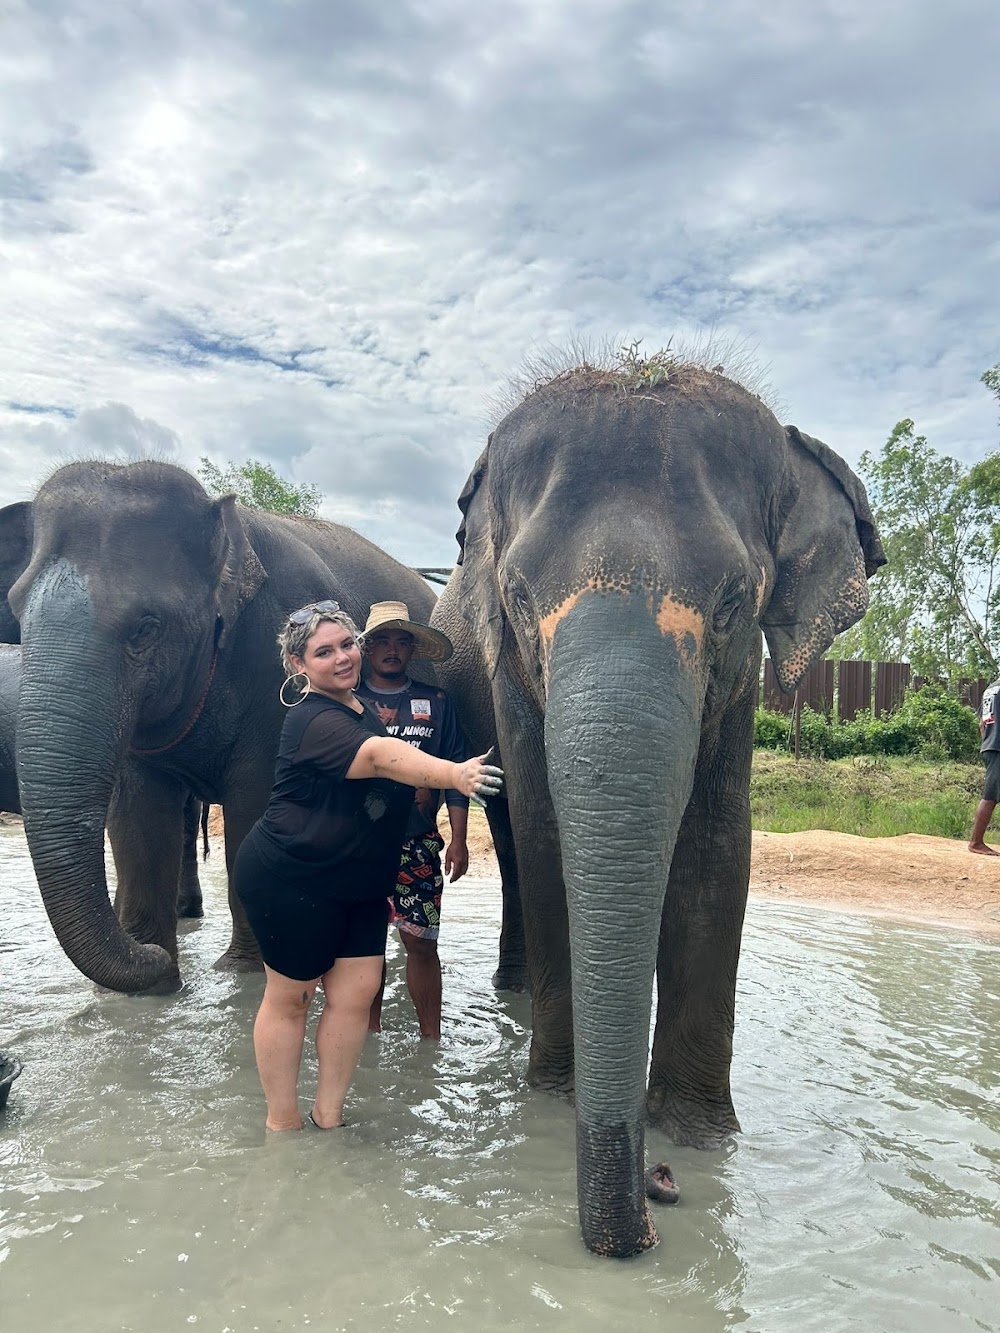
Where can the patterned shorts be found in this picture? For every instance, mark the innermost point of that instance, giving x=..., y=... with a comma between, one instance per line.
x=416, y=905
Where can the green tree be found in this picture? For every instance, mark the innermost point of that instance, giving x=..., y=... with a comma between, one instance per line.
x=991, y=378
x=937, y=603
x=258, y=486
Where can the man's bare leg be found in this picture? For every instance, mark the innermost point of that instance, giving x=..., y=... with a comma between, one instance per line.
x=984, y=813
x=423, y=981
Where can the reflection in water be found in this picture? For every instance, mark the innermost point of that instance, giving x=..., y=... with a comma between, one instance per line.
x=137, y=1190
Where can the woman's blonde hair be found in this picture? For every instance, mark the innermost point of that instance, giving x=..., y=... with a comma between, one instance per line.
x=295, y=634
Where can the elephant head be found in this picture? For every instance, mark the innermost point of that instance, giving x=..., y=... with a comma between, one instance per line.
x=131, y=586
x=621, y=552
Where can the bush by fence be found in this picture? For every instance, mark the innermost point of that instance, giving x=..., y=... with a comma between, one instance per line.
x=928, y=722
x=849, y=689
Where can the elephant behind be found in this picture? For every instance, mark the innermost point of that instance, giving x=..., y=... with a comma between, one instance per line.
x=148, y=613
x=622, y=549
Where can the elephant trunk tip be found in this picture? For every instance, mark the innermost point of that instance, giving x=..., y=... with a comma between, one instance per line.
x=614, y=1212
x=607, y=1243
x=148, y=970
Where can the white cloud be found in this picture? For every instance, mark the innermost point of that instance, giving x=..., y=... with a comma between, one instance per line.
x=324, y=235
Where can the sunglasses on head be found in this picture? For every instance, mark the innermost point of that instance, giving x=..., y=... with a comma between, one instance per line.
x=305, y=613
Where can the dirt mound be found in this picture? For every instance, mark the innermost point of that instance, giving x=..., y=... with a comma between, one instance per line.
x=911, y=875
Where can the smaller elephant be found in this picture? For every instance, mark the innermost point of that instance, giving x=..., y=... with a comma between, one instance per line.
x=147, y=612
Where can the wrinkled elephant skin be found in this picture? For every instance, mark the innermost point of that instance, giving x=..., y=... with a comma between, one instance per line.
x=189, y=900
x=148, y=613
x=621, y=553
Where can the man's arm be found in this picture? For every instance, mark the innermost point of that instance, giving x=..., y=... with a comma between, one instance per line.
x=456, y=857
x=454, y=746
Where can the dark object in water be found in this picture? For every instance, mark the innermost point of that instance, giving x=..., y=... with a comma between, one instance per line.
x=9, y=1070
x=661, y=1186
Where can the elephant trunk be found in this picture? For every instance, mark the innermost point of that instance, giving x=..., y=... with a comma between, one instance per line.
x=71, y=736
x=621, y=738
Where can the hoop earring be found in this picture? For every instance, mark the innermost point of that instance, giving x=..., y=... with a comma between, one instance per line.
x=302, y=692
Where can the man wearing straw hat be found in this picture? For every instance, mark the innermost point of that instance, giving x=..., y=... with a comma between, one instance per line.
x=424, y=716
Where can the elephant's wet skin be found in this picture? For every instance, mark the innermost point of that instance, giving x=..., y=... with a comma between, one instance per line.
x=615, y=1226
x=189, y=896
x=513, y=979
x=621, y=553
x=147, y=614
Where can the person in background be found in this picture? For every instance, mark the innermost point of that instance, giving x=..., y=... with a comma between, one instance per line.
x=990, y=750
x=315, y=870
x=424, y=717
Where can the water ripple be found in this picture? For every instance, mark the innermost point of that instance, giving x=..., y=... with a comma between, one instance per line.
x=864, y=1192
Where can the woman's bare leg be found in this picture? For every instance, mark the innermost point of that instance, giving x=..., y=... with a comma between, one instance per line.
x=278, y=1034
x=349, y=986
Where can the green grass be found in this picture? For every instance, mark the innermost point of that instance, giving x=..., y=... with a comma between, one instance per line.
x=870, y=797
x=875, y=798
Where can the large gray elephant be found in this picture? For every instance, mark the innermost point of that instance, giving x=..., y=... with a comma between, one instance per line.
x=622, y=549
x=148, y=613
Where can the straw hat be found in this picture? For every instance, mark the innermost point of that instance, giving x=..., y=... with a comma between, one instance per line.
x=432, y=645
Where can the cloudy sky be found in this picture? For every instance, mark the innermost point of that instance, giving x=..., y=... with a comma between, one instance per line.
x=323, y=234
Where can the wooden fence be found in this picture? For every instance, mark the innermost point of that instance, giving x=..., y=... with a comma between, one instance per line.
x=845, y=689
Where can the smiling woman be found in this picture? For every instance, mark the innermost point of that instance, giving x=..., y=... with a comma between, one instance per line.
x=315, y=872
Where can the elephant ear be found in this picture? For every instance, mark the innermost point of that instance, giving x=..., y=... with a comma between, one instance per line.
x=826, y=548
x=477, y=590
x=240, y=574
x=16, y=532
x=472, y=485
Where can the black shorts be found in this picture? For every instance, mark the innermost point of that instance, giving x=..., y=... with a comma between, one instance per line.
x=991, y=782
x=302, y=932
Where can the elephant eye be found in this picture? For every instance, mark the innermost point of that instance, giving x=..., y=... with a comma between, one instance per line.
x=518, y=598
x=729, y=606
x=145, y=631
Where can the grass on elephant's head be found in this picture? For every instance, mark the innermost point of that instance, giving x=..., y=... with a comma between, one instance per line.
x=868, y=796
x=624, y=365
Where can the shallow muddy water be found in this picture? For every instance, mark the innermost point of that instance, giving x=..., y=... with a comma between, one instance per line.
x=137, y=1191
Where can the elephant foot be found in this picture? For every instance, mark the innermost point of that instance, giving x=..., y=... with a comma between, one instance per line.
x=511, y=977
x=691, y=1124
x=557, y=1083
x=190, y=909
x=660, y=1184
x=232, y=961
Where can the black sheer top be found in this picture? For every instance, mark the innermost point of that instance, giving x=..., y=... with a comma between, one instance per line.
x=343, y=835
